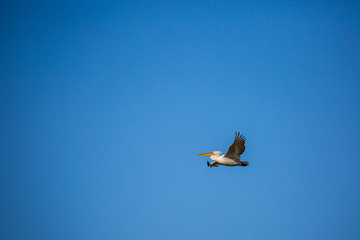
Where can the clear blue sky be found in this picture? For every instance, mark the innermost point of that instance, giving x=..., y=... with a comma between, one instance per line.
x=105, y=104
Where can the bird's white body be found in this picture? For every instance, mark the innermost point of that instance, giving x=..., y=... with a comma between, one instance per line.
x=222, y=160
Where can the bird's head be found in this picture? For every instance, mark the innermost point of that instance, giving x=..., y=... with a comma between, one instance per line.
x=215, y=153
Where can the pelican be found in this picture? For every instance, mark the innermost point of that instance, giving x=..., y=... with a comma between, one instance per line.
x=232, y=157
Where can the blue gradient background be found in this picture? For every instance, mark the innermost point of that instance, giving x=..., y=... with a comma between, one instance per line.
x=105, y=104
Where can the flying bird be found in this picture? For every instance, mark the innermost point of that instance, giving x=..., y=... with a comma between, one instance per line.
x=232, y=157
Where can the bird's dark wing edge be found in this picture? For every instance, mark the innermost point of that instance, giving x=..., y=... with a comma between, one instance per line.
x=238, y=146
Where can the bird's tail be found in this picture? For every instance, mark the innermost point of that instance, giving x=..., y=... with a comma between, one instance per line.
x=244, y=163
x=208, y=164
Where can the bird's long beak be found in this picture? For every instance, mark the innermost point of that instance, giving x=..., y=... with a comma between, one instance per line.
x=207, y=154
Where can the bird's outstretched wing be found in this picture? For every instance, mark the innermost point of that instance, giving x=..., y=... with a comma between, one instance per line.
x=237, y=148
